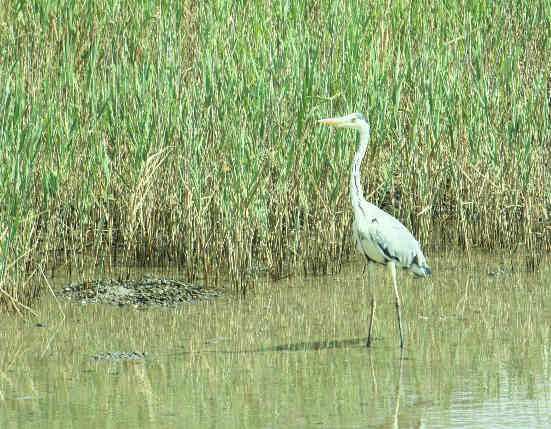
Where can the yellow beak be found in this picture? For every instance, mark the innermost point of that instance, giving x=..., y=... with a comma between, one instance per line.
x=331, y=121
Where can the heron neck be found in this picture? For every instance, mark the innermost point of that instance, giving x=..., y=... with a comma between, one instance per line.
x=356, y=189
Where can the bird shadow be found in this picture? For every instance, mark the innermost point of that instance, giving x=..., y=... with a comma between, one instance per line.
x=314, y=345
x=349, y=343
x=297, y=347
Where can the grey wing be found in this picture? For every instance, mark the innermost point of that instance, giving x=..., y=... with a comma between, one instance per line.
x=385, y=239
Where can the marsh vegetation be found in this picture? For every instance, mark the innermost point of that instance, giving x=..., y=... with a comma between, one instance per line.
x=183, y=133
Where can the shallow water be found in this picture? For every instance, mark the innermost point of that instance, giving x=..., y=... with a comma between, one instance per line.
x=292, y=355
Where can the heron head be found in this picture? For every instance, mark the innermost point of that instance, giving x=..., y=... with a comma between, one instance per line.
x=354, y=120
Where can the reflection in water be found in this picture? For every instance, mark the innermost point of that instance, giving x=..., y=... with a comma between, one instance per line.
x=394, y=417
x=408, y=417
x=292, y=355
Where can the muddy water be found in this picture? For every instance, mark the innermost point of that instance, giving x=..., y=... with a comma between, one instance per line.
x=293, y=355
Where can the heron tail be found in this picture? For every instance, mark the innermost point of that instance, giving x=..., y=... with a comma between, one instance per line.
x=420, y=271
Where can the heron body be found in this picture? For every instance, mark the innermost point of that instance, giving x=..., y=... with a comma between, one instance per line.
x=380, y=237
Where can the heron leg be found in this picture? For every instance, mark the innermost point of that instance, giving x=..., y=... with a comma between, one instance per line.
x=392, y=267
x=373, y=303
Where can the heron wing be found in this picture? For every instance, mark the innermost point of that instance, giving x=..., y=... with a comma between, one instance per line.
x=383, y=238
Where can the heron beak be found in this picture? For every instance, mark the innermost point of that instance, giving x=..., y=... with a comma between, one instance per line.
x=332, y=121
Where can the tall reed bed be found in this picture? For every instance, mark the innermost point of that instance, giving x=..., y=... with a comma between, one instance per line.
x=171, y=132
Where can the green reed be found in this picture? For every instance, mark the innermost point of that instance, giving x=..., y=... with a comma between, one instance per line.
x=171, y=133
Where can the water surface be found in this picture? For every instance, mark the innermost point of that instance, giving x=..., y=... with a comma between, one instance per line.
x=292, y=354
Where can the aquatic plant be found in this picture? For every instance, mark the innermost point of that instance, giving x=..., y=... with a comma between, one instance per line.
x=168, y=133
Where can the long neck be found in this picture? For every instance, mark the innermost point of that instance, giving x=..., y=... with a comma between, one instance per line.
x=356, y=190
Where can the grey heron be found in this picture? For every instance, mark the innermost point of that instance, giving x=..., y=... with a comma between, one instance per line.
x=380, y=237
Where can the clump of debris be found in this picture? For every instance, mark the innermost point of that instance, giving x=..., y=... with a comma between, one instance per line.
x=147, y=292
